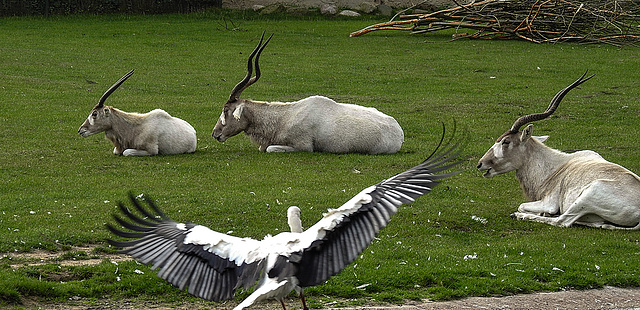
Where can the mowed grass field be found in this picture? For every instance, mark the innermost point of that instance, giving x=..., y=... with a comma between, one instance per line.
x=58, y=189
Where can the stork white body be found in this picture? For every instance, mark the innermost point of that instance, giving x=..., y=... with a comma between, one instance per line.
x=565, y=189
x=212, y=265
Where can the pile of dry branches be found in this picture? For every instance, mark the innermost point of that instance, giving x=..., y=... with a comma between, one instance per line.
x=614, y=22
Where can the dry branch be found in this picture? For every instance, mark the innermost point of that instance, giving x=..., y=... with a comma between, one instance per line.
x=590, y=21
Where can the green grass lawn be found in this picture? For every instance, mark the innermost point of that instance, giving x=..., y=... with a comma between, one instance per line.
x=58, y=189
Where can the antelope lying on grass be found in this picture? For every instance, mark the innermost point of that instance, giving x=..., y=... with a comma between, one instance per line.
x=134, y=134
x=313, y=124
x=565, y=189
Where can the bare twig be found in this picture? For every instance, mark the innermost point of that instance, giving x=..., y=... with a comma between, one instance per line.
x=407, y=9
x=614, y=22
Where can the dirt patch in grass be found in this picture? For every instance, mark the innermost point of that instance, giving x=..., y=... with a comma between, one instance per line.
x=606, y=298
x=75, y=256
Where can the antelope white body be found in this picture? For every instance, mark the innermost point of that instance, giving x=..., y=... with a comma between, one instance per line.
x=313, y=124
x=565, y=189
x=134, y=134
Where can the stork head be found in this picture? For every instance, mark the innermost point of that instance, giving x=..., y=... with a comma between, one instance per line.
x=293, y=217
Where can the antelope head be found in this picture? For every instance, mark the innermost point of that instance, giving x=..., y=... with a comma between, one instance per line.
x=99, y=119
x=231, y=121
x=509, y=151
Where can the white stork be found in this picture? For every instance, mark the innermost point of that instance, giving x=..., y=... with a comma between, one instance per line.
x=212, y=265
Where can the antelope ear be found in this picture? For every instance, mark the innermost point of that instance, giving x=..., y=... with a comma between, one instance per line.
x=541, y=138
x=237, y=113
x=526, y=133
x=107, y=111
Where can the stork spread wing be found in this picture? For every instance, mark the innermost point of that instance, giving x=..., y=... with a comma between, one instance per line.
x=211, y=264
x=338, y=238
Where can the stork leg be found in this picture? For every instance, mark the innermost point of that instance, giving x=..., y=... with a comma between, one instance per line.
x=304, y=302
x=282, y=303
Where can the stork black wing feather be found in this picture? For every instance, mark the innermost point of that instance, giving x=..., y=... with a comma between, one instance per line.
x=186, y=266
x=136, y=218
x=130, y=226
x=145, y=212
x=126, y=234
x=353, y=234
